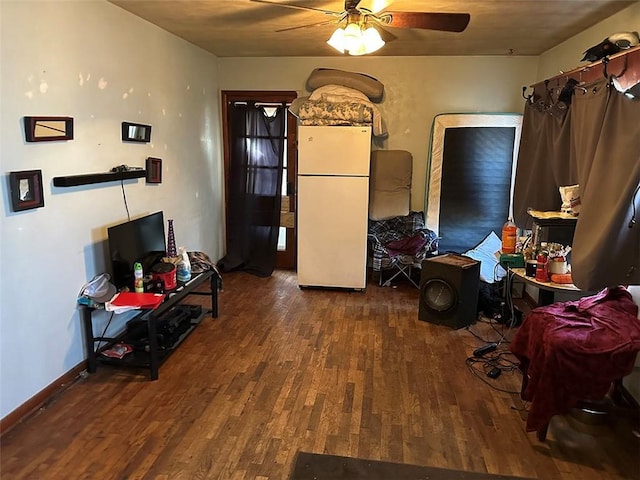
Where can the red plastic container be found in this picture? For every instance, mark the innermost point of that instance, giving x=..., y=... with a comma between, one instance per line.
x=542, y=268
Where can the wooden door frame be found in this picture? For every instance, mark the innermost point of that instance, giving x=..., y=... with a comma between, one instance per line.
x=288, y=258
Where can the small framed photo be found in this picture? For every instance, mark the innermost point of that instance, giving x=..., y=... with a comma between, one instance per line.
x=26, y=190
x=154, y=170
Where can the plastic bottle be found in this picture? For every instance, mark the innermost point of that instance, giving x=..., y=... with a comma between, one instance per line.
x=542, y=267
x=138, y=278
x=509, y=235
x=183, y=269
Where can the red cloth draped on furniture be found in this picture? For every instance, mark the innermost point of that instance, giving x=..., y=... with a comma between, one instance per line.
x=573, y=351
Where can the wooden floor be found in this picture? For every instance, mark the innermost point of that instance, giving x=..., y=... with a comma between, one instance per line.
x=284, y=369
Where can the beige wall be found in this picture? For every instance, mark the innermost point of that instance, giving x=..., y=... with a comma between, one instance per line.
x=567, y=55
x=416, y=90
x=93, y=61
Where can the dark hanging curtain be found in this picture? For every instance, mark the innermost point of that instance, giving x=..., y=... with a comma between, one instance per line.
x=592, y=141
x=255, y=187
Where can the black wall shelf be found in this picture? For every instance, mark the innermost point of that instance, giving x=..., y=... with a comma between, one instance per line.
x=88, y=178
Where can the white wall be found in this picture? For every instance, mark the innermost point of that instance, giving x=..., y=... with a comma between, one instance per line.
x=416, y=90
x=100, y=65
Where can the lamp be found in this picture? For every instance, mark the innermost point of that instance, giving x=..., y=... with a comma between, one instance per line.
x=355, y=39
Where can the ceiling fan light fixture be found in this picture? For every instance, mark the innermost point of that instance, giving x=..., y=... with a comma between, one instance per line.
x=352, y=37
x=355, y=41
x=337, y=40
x=372, y=40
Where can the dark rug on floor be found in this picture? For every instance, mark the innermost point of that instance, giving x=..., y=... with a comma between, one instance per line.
x=315, y=466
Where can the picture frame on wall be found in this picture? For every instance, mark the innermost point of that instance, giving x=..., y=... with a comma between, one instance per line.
x=154, y=170
x=48, y=129
x=136, y=132
x=26, y=190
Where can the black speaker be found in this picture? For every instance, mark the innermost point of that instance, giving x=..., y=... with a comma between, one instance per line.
x=449, y=290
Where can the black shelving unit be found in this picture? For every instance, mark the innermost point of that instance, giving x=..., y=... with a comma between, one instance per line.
x=89, y=178
x=154, y=356
x=558, y=230
x=142, y=359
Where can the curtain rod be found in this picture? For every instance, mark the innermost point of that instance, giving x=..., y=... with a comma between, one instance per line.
x=262, y=104
x=625, y=66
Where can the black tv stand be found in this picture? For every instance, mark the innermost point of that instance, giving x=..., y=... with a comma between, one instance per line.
x=153, y=357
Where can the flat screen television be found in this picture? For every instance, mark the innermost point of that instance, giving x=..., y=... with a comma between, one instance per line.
x=140, y=240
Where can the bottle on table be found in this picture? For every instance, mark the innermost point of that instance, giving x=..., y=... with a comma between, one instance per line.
x=542, y=267
x=509, y=236
x=183, y=270
x=138, y=278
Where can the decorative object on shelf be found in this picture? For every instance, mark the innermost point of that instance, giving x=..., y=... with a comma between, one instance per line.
x=47, y=129
x=166, y=272
x=171, y=241
x=26, y=190
x=183, y=268
x=136, y=132
x=154, y=170
x=89, y=178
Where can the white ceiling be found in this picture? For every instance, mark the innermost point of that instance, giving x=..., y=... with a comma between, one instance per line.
x=242, y=28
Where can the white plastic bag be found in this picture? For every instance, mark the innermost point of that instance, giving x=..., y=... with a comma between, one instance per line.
x=570, y=199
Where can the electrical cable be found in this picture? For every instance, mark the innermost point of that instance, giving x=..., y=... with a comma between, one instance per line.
x=491, y=322
x=477, y=336
x=124, y=197
x=476, y=372
x=525, y=408
x=501, y=359
x=104, y=331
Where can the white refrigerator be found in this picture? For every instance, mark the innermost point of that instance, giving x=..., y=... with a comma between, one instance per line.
x=333, y=205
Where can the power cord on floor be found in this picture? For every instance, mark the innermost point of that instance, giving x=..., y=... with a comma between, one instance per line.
x=492, y=359
x=482, y=369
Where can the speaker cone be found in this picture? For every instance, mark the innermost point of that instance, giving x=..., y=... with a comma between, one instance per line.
x=439, y=295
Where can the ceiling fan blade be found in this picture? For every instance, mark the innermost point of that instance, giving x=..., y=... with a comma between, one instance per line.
x=326, y=22
x=298, y=7
x=446, y=22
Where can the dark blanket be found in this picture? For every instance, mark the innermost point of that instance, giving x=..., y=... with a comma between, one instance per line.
x=403, y=239
x=572, y=351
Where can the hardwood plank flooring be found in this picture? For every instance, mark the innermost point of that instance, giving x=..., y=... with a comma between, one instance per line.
x=284, y=369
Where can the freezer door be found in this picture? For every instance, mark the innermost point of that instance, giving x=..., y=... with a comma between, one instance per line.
x=332, y=231
x=334, y=150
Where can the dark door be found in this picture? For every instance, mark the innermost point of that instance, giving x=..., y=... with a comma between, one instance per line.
x=286, y=255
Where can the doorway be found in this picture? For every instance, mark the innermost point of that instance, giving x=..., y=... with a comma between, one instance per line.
x=286, y=254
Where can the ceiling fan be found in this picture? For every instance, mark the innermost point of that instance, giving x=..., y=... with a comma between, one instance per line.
x=373, y=13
